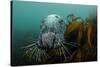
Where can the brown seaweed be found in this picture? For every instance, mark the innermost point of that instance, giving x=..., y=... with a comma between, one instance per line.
x=85, y=37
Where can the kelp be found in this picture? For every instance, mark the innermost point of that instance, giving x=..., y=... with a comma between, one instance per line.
x=85, y=36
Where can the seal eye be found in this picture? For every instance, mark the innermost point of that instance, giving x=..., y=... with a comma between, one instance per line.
x=56, y=16
x=61, y=21
x=43, y=21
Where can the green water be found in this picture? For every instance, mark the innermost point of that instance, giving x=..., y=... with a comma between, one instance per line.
x=26, y=19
